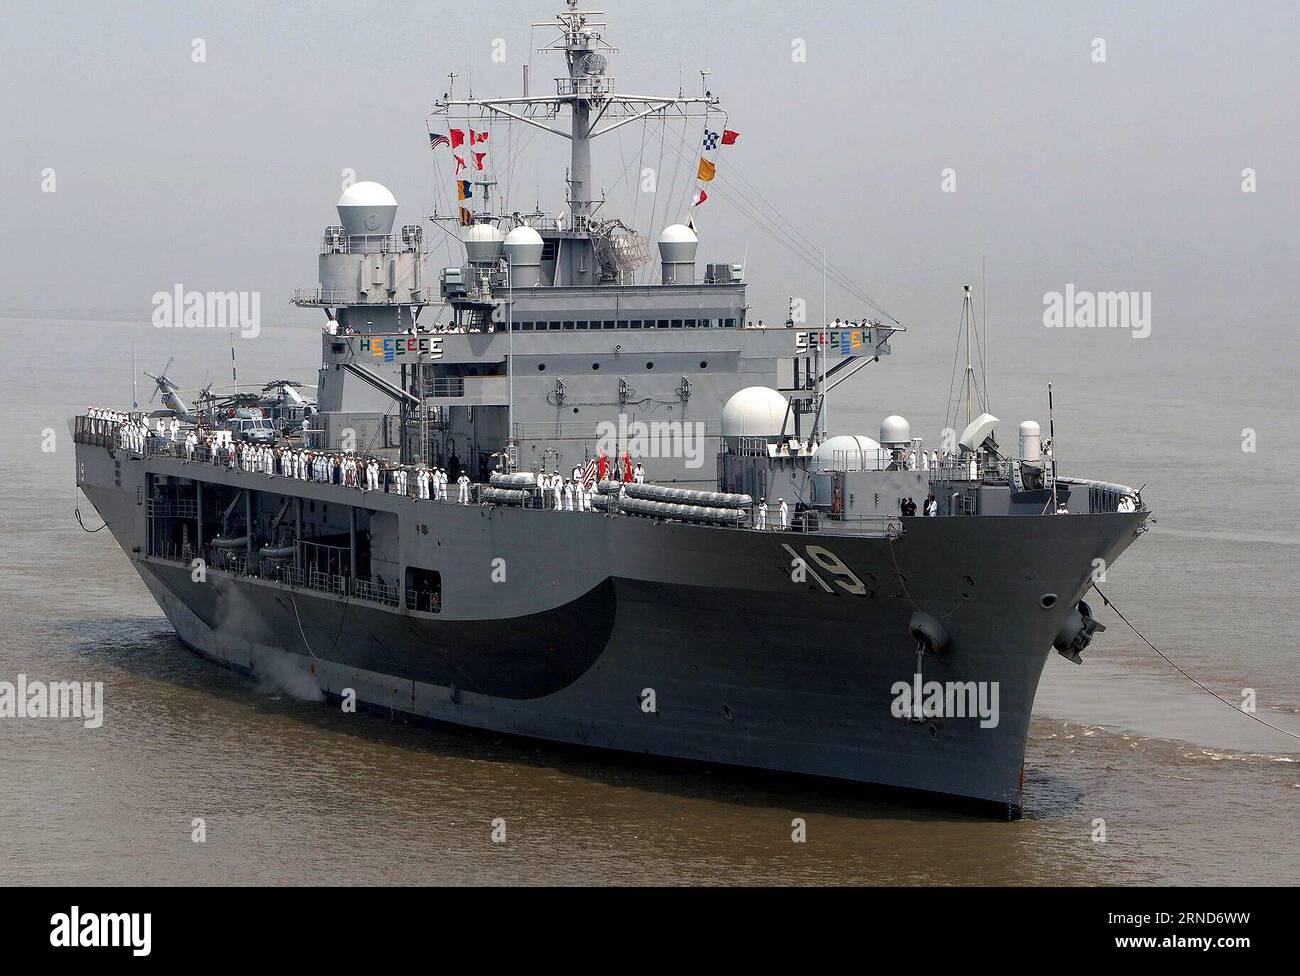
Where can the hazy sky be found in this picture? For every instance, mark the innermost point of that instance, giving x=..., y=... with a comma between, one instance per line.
x=1125, y=174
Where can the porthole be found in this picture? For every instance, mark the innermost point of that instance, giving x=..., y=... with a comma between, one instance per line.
x=704, y=364
x=575, y=409
x=541, y=367
x=1047, y=601
x=649, y=365
x=595, y=365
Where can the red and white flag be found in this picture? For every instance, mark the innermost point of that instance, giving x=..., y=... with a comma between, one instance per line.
x=700, y=196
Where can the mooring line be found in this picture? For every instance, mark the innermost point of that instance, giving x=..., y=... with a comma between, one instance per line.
x=1209, y=691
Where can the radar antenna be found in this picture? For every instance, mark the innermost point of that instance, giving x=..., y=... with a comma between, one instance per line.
x=589, y=94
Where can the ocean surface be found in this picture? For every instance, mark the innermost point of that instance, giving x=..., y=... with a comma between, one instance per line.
x=292, y=791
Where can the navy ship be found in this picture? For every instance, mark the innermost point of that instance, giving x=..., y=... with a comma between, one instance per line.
x=566, y=492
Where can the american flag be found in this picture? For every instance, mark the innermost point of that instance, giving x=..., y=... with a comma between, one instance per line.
x=437, y=139
x=589, y=471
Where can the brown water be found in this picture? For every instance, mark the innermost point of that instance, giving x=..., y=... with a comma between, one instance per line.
x=294, y=791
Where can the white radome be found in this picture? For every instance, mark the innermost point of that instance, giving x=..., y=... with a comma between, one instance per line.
x=367, y=208
x=677, y=245
x=367, y=193
x=756, y=411
x=848, y=452
x=483, y=243
x=678, y=234
x=523, y=245
x=895, y=431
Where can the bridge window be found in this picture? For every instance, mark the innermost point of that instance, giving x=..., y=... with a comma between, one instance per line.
x=553, y=326
x=677, y=323
x=691, y=323
x=627, y=324
x=583, y=325
x=608, y=324
x=568, y=326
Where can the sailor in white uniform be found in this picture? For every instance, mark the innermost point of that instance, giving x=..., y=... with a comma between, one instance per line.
x=639, y=475
x=463, y=481
x=568, y=496
x=760, y=520
x=784, y=513
x=557, y=489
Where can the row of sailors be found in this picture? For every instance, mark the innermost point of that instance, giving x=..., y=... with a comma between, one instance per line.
x=566, y=494
x=932, y=460
x=323, y=467
x=165, y=426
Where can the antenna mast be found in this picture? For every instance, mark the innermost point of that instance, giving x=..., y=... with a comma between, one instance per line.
x=974, y=392
x=590, y=96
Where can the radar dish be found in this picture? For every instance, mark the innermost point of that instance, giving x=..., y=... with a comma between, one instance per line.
x=977, y=431
x=631, y=250
x=591, y=63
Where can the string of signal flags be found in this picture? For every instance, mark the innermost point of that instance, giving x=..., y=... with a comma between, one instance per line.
x=707, y=168
x=453, y=140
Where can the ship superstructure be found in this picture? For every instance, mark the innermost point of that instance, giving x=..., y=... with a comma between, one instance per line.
x=557, y=491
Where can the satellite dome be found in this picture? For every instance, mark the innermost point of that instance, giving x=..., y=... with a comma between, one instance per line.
x=523, y=246
x=523, y=249
x=895, y=431
x=678, y=244
x=756, y=411
x=367, y=208
x=849, y=452
x=483, y=244
x=677, y=247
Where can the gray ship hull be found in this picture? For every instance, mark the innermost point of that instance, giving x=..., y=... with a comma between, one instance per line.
x=747, y=667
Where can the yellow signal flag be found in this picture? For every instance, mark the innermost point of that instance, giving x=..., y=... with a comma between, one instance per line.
x=707, y=170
